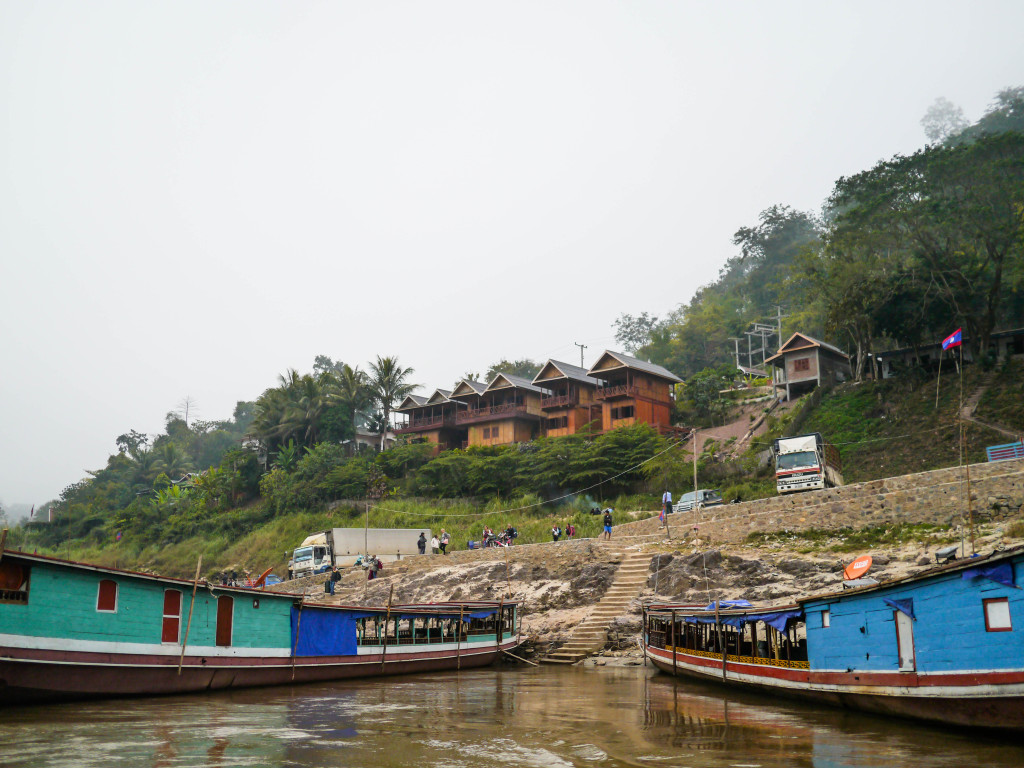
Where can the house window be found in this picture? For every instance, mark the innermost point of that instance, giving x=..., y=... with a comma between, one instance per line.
x=997, y=614
x=106, y=596
x=623, y=412
x=802, y=364
x=558, y=422
x=494, y=433
x=172, y=616
x=826, y=618
x=487, y=433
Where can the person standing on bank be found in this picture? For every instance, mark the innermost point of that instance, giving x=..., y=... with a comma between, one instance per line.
x=608, y=523
x=435, y=545
x=666, y=502
x=335, y=578
x=421, y=543
x=556, y=532
x=445, y=538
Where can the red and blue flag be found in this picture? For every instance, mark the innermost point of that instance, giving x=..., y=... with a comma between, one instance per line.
x=955, y=339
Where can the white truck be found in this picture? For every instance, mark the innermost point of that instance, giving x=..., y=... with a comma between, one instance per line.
x=804, y=463
x=343, y=546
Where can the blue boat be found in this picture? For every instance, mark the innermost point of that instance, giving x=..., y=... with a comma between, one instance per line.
x=945, y=645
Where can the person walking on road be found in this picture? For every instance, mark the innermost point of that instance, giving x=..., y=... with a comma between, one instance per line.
x=445, y=538
x=335, y=578
x=666, y=502
x=608, y=523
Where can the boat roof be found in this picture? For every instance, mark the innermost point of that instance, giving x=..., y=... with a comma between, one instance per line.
x=56, y=561
x=939, y=570
x=450, y=607
x=689, y=609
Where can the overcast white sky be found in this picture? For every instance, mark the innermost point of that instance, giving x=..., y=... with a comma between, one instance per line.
x=196, y=196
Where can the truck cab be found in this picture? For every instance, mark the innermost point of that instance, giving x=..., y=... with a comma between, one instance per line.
x=310, y=560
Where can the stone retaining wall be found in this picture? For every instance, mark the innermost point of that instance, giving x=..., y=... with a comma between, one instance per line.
x=997, y=490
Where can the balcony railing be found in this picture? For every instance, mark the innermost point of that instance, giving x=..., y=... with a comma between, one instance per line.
x=426, y=422
x=560, y=401
x=489, y=413
x=621, y=390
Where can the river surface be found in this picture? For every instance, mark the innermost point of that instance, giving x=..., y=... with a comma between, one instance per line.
x=502, y=716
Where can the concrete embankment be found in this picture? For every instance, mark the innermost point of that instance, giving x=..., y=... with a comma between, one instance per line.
x=939, y=496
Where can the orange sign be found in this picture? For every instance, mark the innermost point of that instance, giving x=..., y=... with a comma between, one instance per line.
x=857, y=568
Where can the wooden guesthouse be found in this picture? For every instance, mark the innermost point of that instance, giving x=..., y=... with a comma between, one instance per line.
x=432, y=419
x=508, y=410
x=803, y=363
x=569, y=401
x=633, y=391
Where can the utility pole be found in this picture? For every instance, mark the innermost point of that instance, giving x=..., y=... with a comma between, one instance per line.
x=737, y=345
x=582, y=347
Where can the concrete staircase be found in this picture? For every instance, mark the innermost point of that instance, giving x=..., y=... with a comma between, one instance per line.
x=591, y=635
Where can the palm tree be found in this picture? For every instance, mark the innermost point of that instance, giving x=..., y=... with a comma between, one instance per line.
x=172, y=461
x=389, y=384
x=351, y=389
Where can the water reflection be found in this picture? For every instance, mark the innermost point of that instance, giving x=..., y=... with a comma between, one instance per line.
x=491, y=717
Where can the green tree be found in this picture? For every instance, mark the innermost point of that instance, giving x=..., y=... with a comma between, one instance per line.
x=524, y=368
x=389, y=384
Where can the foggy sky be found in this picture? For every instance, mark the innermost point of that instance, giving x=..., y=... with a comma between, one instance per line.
x=196, y=196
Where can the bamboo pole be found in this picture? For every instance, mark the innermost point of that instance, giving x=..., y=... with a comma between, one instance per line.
x=458, y=639
x=188, y=626
x=519, y=658
x=673, y=636
x=507, y=577
x=298, y=628
x=387, y=620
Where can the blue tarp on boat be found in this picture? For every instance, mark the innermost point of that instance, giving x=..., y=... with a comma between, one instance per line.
x=326, y=632
x=1001, y=573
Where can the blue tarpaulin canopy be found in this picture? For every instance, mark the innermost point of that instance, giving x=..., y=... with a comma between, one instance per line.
x=1001, y=573
x=776, y=619
x=905, y=605
x=725, y=604
x=465, y=616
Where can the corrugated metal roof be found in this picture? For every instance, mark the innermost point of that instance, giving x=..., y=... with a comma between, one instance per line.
x=568, y=371
x=635, y=364
x=516, y=381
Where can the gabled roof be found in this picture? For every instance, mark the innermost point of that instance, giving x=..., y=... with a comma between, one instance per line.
x=467, y=388
x=509, y=381
x=613, y=361
x=440, y=396
x=800, y=341
x=555, y=370
x=410, y=402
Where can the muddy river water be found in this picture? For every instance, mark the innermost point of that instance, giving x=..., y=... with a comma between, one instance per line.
x=503, y=716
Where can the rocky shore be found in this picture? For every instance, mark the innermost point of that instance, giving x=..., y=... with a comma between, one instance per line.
x=559, y=583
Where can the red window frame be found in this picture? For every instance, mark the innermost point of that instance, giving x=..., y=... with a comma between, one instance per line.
x=170, y=631
x=106, y=596
x=985, y=603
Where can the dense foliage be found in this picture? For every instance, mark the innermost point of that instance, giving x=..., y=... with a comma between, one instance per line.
x=906, y=252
